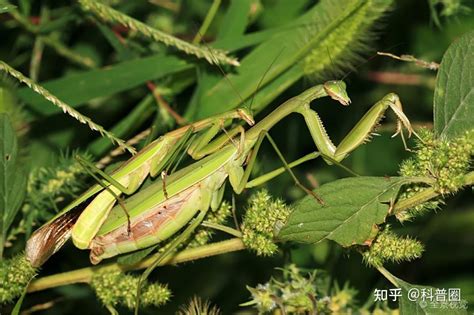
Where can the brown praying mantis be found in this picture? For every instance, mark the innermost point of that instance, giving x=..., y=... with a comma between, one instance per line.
x=160, y=210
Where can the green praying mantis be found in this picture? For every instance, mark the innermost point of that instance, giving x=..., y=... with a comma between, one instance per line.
x=163, y=208
x=151, y=160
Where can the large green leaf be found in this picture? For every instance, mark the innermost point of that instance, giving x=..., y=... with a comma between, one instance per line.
x=353, y=206
x=454, y=93
x=79, y=88
x=12, y=178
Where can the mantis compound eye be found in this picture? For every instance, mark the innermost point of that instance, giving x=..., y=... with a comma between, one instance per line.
x=337, y=91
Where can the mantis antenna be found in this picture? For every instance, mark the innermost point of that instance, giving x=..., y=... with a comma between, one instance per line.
x=263, y=77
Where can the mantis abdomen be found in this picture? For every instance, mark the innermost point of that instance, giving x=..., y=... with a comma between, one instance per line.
x=159, y=222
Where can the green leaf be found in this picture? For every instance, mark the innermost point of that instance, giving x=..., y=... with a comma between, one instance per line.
x=353, y=206
x=411, y=301
x=454, y=93
x=12, y=178
x=79, y=88
x=235, y=21
x=6, y=7
x=279, y=12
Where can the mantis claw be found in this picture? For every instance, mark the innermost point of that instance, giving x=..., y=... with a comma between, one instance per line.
x=403, y=120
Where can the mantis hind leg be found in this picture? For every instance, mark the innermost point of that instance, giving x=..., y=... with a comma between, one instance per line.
x=102, y=177
x=288, y=169
x=170, y=248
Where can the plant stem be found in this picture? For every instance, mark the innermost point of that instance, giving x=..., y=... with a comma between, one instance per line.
x=388, y=276
x=84, y=275
x=426, y=195
x=469, y=179
x=207, y=21
x=222, y=228
x=415, y=200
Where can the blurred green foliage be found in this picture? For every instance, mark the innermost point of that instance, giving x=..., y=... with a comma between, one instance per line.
x=104, y=70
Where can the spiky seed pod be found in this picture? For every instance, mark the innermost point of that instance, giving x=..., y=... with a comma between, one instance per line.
x=116, y=288
x=445, y=161
x=260, y=221
x=299, y=293
x=197, y=306
x=263, y=298
x=108, y=14
x=15, y=274
x=342, y=299
x=341, y=47
x=390, y=247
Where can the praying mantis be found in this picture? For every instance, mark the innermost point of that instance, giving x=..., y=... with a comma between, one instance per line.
x=160, y=210
x=127, y=178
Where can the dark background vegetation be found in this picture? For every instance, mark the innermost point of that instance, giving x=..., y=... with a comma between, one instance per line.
x=410, y=28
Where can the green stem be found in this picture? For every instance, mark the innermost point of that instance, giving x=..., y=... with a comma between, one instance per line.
x=222, y=228
x=24, y=22
x=54, y=43
x=2, y=244
x=207, y=21
x=418, y=198
x=159, y=258
x=469, y=179
x=425, y=195
x=388, y=276
x=84, y=275
x=68, y=53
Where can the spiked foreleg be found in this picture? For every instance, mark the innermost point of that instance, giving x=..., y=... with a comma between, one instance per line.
x=360, y=133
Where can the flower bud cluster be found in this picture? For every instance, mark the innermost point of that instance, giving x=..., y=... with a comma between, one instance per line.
x=15, y=274
x=446, y=162
x=203, y=234
x=300, y=294
x=261, y=220
x=390, y=247
x=116, y=288
x=197, y=306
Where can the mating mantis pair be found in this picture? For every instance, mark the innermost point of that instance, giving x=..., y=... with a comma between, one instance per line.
x=166, y=206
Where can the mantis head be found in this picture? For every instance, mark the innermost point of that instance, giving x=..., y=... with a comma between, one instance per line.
x=246, y=114
x=337, y=91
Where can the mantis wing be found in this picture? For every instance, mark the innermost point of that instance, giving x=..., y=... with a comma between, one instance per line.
x=51, y=237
